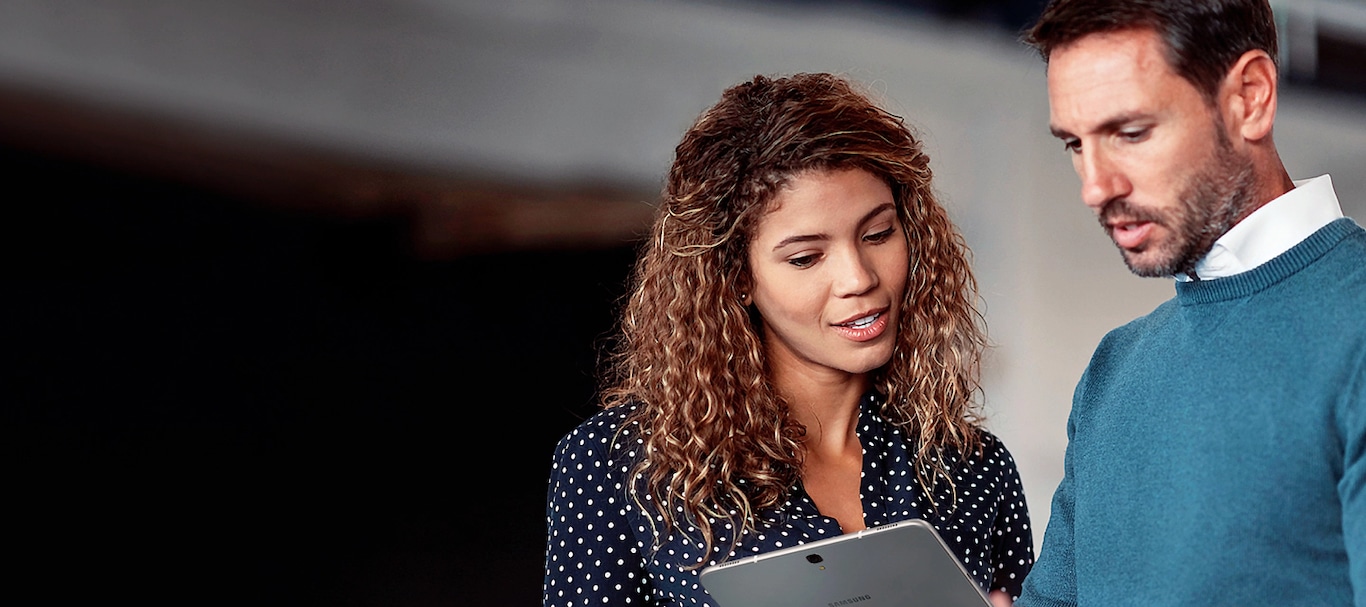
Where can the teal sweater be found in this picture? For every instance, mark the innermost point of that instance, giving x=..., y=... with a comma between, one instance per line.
x=1217, y=446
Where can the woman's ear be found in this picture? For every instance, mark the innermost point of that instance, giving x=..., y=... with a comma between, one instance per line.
x=745, y=286
x=1250, y=90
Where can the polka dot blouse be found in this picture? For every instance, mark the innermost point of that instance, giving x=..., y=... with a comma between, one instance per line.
x=599, y=542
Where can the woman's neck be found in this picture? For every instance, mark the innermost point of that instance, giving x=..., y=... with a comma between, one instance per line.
x=828, y=408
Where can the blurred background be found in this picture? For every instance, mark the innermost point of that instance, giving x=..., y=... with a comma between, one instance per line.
x=299, y=294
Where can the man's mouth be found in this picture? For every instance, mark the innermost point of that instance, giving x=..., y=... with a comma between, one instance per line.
x=1130, y=235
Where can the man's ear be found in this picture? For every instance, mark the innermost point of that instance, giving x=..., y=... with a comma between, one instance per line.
x=1250, y=96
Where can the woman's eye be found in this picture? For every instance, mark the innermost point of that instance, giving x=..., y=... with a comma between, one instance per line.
x=805, y=261
x=880, y=236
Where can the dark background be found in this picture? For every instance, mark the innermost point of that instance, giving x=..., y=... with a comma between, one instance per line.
x=210, y=399
x=224, y=384
x=236, y=373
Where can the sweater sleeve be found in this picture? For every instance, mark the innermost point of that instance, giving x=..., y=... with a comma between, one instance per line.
x=1352, y=486
x=1053, y=580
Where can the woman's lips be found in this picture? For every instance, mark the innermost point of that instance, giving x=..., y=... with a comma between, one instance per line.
x=866, y=327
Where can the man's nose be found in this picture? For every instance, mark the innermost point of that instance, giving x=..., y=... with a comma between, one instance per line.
x=1101, y=180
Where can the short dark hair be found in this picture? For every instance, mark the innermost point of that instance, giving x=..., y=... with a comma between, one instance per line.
x=1203, y=38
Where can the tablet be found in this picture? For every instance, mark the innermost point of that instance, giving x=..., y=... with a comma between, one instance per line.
x=902, y=564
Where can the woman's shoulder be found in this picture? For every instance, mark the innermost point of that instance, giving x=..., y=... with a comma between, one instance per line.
x=989, y=472
x=607, y=431
x=991, y=453
x=991, y=443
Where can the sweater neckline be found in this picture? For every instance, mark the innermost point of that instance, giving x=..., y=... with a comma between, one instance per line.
x=1279, y=268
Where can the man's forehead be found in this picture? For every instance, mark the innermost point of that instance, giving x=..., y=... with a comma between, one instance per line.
x=1102, y=76
x=1110, y=52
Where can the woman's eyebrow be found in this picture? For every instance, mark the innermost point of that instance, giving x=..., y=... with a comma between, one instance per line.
x=882, y=208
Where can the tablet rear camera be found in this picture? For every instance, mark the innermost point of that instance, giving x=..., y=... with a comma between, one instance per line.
x=814, y=558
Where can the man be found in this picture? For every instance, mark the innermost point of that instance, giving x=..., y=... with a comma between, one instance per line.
x=1217, y=446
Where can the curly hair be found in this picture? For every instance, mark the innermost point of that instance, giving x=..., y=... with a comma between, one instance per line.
x=716, y=439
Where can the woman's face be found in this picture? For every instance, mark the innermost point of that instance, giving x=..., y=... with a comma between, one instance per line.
x=828, y=265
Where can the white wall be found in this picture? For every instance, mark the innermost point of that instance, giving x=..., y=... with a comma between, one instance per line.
x=603, y=89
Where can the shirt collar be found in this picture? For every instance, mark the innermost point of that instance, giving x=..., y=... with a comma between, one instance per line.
x=1271, y=230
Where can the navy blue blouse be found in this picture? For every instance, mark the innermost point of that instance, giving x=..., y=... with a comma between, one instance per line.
x=598, y=551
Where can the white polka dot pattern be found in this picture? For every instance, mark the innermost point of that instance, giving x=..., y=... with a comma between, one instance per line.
x=599, y=542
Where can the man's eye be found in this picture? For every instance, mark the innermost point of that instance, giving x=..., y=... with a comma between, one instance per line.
x=1134, y=136
x=1073, y=146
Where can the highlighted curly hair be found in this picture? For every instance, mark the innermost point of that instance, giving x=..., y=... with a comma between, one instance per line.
x=716, y=440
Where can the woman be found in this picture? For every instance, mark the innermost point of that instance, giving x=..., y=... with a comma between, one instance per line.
x=798, y=359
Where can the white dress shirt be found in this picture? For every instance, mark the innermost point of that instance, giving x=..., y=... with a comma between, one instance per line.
x=1271, y=230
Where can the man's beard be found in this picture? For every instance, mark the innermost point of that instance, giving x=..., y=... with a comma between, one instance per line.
x=1215, y=198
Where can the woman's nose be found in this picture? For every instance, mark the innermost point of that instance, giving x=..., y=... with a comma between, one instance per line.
x=856, y=275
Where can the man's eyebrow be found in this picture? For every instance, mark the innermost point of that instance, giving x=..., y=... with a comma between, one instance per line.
x=1109, y=126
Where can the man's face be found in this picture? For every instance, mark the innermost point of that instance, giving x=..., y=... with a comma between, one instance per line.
x=1154, y=160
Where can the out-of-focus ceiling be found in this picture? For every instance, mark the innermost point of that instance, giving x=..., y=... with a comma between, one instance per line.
x=504, y=123
x=487, y=110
